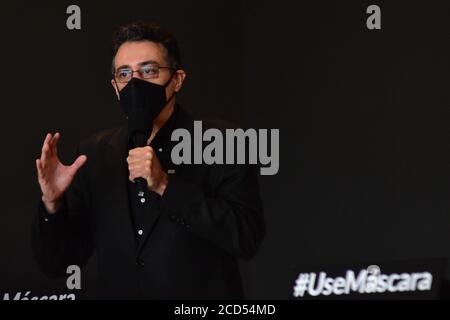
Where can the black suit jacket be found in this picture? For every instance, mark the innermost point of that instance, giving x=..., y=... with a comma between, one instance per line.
x=208, y=217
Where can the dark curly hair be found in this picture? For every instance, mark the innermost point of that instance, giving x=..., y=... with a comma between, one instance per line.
x=148, y=31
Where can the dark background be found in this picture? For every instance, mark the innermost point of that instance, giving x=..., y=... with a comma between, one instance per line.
x=363, y=118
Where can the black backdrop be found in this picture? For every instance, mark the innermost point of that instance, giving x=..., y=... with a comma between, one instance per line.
x=363, y=118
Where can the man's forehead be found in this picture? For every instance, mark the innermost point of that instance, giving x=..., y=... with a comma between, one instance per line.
x=131, y=54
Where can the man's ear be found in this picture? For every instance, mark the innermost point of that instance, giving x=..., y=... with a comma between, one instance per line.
x=180, y=75
x=114, y=84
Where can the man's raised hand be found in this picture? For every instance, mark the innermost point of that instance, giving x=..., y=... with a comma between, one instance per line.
x=54, y=178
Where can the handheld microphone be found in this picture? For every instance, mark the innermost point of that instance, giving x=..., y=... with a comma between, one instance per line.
x=140, y=140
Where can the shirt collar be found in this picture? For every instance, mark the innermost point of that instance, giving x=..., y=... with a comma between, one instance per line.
x=178, y=119
x=163, y=135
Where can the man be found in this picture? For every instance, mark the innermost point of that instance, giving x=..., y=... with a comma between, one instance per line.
x=179, y=237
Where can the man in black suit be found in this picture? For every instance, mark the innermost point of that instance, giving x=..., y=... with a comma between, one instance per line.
x=182, y=236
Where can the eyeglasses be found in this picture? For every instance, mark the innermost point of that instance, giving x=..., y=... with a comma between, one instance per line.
x=147, y=71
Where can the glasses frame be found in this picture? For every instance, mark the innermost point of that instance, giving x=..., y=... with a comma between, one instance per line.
x=114, y=74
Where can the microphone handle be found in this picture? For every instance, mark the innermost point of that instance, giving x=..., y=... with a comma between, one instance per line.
x=139, y=140
x=141, y=185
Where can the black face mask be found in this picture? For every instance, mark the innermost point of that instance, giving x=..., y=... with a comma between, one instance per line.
x=142, y=101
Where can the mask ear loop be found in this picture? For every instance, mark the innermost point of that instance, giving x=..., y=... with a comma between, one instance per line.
x=118, y=92
x=117, y=88
x=167, y=83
